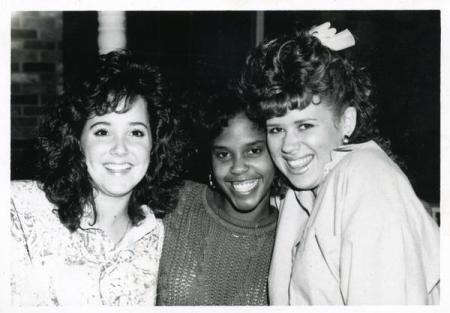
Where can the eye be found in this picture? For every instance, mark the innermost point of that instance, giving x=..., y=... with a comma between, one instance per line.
x=137, y=133
x=221, y=155
x=274, y=130
x=101, y=132
x=305, y=126
x=255, y=151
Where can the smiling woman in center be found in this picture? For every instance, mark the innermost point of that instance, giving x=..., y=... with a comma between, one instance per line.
x=219, y=240
x=242, y=170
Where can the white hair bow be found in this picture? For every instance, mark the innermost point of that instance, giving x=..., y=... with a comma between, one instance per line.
x=328, y=37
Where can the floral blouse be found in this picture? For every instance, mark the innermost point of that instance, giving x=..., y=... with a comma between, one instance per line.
x=52, y=266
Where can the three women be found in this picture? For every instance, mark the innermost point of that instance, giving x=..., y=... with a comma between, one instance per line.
x=351, y=230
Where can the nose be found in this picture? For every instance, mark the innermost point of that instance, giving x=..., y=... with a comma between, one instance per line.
x=239, y=166
x=290, y=143
x=119, y=146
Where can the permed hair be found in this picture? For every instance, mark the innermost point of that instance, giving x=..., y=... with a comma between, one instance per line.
x=285, y=73
x=215, y=114
x=220, y=108
x=62, y=170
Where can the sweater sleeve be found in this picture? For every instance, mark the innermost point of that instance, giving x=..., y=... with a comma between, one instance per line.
x=390, y=246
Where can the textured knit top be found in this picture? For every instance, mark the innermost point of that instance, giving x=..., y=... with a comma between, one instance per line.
x=209, y=260
x=52, y=266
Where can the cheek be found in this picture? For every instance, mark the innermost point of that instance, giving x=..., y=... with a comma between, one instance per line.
x=274, y=151
x=219, y=169
x=93, y=152
x=143, y=151
x=267, y=167
x=329, y=141
x=274, y=145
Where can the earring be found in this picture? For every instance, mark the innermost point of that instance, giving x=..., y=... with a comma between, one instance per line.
x=345, y=140
x=211, y=181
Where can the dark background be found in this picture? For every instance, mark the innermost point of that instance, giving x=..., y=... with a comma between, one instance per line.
x=401, y=50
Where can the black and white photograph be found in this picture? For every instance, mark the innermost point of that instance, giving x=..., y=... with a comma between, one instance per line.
x=241, y=158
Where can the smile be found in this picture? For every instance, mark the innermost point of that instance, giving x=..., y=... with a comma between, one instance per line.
x=244, y=186
x=118, y=168
x=300, y=165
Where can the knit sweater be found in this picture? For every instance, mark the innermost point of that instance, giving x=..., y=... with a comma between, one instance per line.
x=209, y=260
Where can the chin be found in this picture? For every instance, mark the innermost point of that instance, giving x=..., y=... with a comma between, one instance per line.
x=119, y=191
x=301, y=184
x=245, y=206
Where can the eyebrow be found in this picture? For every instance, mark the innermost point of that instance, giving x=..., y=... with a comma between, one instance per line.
x=262, y=141
x=99, y=123
x=108, y=124
x=295, y=122
x=140, y=123
x=256, y=142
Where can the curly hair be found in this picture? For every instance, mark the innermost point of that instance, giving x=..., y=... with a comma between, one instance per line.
x=286, y=72
x=219, y=109
x=214, y=115
x=62, y=170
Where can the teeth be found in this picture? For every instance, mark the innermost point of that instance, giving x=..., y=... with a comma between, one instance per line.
x=299, y=163
x=117, y=166
x=245, y=186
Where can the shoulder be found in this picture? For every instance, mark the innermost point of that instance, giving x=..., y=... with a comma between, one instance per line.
x=190, y=199
x=25, y=187
x=190, y=191
x=29, y=201
x=159, y=226
x=369, y=186
x=190, y=185
x=27, y=192
x=34, y=217
x=368, y=160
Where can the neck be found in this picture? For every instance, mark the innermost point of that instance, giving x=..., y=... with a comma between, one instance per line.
x=112, y=215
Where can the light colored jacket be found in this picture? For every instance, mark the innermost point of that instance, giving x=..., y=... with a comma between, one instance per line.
x=365, y=238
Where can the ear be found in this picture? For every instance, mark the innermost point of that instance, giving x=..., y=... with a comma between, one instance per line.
x=348, y=121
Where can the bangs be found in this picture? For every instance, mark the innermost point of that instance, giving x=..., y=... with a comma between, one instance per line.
x=118, y=102
x=281, y=104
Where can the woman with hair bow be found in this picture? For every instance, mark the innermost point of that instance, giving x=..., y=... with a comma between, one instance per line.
x=351, y=229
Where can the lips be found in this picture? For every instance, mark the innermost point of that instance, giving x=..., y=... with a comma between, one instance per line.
x=299, y=165
x=244, y=186
x=118, y=168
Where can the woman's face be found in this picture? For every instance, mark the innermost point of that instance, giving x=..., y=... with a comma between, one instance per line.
x=117, y=149
x=301, y=142
x=241, y=164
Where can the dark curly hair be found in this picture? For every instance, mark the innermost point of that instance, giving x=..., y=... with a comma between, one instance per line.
x=214, y=115
x=62, y=170
x=219, y=109
x=286, y=72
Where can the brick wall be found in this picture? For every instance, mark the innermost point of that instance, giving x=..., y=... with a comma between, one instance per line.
x=36, y=77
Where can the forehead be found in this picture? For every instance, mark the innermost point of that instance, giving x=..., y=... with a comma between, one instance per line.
x=240, y=130
x=321, y=112
x=135, y=110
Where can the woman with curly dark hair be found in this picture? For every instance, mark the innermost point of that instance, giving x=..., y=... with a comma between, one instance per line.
x=87, y=231
x=219, y=239
x=351, y=229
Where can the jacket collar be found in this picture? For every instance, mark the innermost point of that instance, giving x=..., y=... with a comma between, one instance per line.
x=306, y=198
